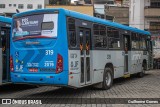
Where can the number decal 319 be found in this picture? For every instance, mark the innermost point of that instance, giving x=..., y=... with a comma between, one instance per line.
x=49, y=52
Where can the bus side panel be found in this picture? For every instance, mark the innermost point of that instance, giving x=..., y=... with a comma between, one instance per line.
x=136, y=61
x=146, y=57
x=133, y=61
x=130, y=67
x=140, y=61
x=74, y=68
x=100, y=62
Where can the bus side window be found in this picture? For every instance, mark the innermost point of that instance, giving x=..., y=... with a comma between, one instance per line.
x=113, y=38
x=135, y=41
x=100, y=36
x=72, y=38
x=72, y=33
x=143, y=42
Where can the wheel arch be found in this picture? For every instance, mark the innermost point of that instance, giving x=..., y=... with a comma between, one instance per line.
x=110, y=65
x=144, y=63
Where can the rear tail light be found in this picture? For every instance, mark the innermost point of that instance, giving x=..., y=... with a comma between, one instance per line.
x=11, y=64
x=59, y=67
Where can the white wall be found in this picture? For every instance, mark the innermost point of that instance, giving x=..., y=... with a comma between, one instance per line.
x=147, y=21
x=136, y=17
x=12, y=9
x=99, y=8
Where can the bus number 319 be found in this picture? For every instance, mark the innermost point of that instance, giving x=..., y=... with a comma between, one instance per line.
x=49, y=52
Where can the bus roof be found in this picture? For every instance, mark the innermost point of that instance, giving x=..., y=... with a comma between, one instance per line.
x=5, y=19
x=87, y=18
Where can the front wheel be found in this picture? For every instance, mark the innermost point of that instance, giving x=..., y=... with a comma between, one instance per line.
x=142, y=73
x=107, y=79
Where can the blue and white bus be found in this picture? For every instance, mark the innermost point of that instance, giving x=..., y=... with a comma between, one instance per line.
x=65, y=48
x=5, y=27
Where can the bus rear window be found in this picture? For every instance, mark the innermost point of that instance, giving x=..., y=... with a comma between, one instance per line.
x=47, y=25
x=41, y=25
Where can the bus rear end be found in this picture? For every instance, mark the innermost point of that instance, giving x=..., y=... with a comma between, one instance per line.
x=39, y=48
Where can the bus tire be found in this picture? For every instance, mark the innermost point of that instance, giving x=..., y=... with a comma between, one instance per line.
x=142, y=73
x=107, y=79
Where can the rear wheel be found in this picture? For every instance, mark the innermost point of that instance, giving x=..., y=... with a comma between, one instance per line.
x=107, y=78
x=142, y=73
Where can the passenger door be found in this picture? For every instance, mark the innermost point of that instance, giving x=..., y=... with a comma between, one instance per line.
x=85, y=45
x=150, y=54
x=138, y=55
x=127, y=47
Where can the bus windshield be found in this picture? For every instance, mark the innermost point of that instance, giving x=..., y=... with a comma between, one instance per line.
x=35, y=26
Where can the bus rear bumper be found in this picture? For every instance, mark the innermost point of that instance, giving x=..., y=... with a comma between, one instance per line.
x=50, y=79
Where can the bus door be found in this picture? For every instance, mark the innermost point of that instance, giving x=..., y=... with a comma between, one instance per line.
x=5, y=34
x=126, y=42
x=85, y=44
x=150, y=51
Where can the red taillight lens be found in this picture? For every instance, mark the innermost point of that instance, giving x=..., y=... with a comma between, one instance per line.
x=11, y=64
x=59, y=67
